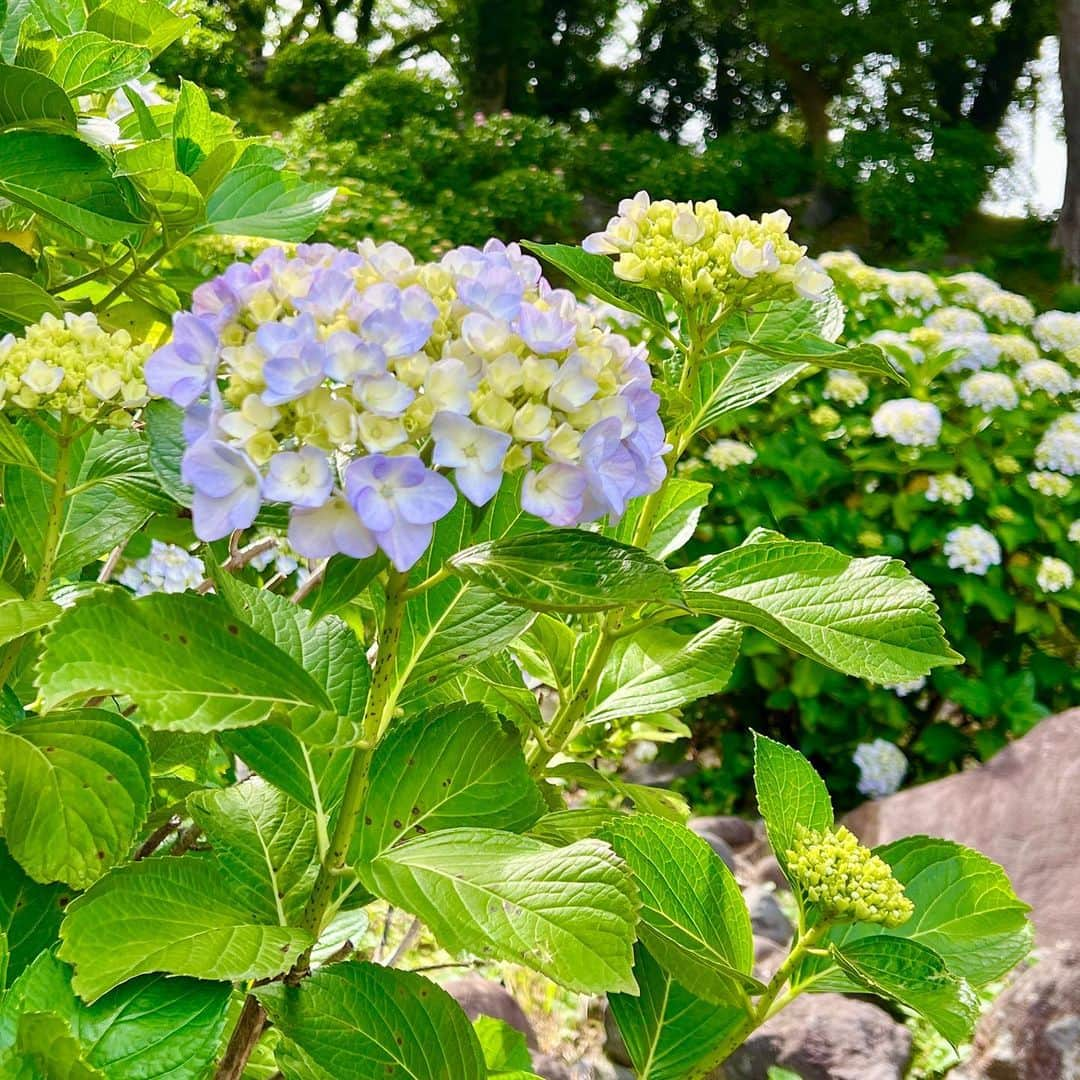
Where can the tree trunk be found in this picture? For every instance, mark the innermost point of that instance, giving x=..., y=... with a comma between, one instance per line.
x=1067, y=235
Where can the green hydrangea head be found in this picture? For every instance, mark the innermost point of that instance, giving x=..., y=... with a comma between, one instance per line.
x=846, y=880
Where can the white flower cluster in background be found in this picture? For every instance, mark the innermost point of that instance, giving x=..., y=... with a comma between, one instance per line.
x=1057, y=331
x=949, y=488
x=989, y=390
x=1050, y=483
x=882, y=768
x=1006, y=307
x=1046, y=375
x=908, y=422
x=729, y=453
x=1059, y=448
x=1054, y=575
x=846, y=387
x=168, y=568
x=973, y=549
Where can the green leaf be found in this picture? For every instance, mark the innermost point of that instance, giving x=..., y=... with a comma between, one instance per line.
x=789, y=793
x=30, y=99
x=659, y=669
x=78, y=790
x=150, y=1026
x=363, y=1020
x=865, y=617
x=495, y=682
x=445, y=768
x=141, y=22
x=596, y=273
x=15, y=13
x=193, y=132
x=45, y=1047
x=568, y=826
x=681, y=503
x=254, y=200
x=151, y=167
x=64, y=180
x=265, y=845
x=736, y=380
x=327, y=649
x=14, y=449
x=503, y=1046
x=165, y=431
x=343, y=580
x=29, y=913
x=19, y=617
x=23, y=302
x=170, y=915
x=865, y=359
x=669, y=1033
x=85, y=62
x=567, y=570
x=693, y=918
x=646, y=799
x=913, y=974
x=181, y=658
x=566, y=912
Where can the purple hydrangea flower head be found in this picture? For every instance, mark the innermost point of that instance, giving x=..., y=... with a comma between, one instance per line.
x=545, y=331
x=301, y=477
x=294, y=359
x=399, y=499
x=610, y=468
x=182, y=370
x=329, y=294
x=555, y=493
x=330, y=529
x=227, y=488
x=496, y=291
x=475, y=453
x=348, y=357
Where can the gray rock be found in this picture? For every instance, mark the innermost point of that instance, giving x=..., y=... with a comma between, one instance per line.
x=824, y=1037
x=766, y=916
x=736, y=832
x=614, y=1047
x=1022, y=809
x=719, y=845
x=768, y=956
x=478, y=996
x=551, y=1068
x=1032, y=1030
x=767, y=872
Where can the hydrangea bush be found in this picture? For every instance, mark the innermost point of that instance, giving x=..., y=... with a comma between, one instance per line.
x=968, y=473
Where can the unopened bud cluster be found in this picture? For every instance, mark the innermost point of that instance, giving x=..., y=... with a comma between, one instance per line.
x=698, y=253
x=73, y=366
x=847, y=881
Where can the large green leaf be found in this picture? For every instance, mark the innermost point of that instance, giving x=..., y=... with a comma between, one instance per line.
x=193, y=132
x=495, y=682
x=170, y=915
x=676, y=516
x=913, y=974
x=327, y=649
x=865, y=617
x=77, y=791
x=265, y=845
x=85, y=62
x=19, y=617
x=23, y=302
x=64, y=180
x=668, y=1032
x=449, y=767
x=256, y=200
x=693, y=917
x=737, y=379
x=30, y=99
x=29, y=913
x=151, y=1026
x=659, y=669
x=566, y=912
x=596, y=273
x=141, y=22
x=107, y=510
x=789, y=793
x=865, y=358
x=43, y=1046
x=646, y=799
x=362, y=1020
x=567, y=570
x=183, y=659
x=150, y=166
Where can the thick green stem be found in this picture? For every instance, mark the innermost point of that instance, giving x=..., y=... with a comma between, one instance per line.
x=50, y=544
x=377, y=712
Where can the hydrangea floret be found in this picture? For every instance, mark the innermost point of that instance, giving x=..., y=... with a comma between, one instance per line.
x=846, y=387
x=75, y=367
x=726, y=454
x=1057, y=331
x=882, y=768
x=352, y=385
x=1059, y=448
x=973, y=549
x=1054, y=575
x=168, y=568
x=948, y=488
x=1051, y=484
x=846, y=880
x=697, y=253
x=906, y=689
x=989, y=390
x=908, y=421
x=1046, y=375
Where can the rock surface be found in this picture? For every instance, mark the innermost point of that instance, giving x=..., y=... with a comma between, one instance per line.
x=824, y=1037
x=736, y=832
x=1022, y=809
x=766, y=917
x=478, y=996
x=1032, y=1031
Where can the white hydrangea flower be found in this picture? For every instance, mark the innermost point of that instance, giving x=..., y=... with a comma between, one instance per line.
x=972, y=548
x=168, y=568
x=1017, y=348
x=911, y=288
x=1074, y=532
x=1057, y=331
x=1007, y=307
x=899, y=341
x=908, y=421
x=906, y=689
x=949, y=488
x=1046, y=375
x=1054, y=575
x=989, y=390
x=972, y=286
x=1050, y=483
x=882, y=767
x=977, y=350
x=1059, y=448
x=845, y=387
x=956, y=320
x=728, y=453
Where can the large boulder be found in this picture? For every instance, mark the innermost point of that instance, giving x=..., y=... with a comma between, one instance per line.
x=824, y=1037
x=1032, y=1031
x=1022, y=808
